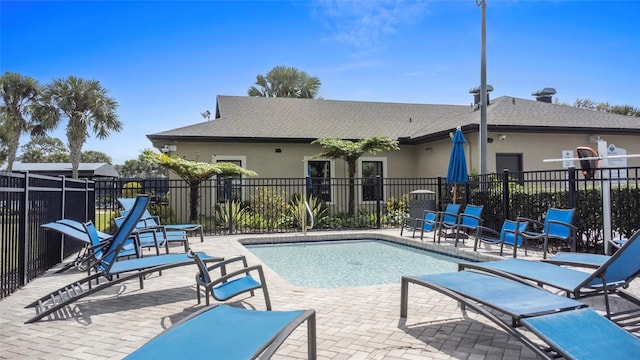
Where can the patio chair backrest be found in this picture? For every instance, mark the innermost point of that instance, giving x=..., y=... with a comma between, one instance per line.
x=91, y=230
x=429, y=220
x=507, y=233
x=124, y=232
x=475, y=212
x=146, y=220
x=560, y=215
x=624, y=264
x=203, y=272
x=449, y=216
x=127, y=203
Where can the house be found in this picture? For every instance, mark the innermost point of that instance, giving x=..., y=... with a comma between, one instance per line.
x=272, y=136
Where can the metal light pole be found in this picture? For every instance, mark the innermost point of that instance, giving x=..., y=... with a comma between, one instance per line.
x=483, y=90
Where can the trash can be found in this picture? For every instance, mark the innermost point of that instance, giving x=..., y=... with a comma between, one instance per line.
x=419, y=201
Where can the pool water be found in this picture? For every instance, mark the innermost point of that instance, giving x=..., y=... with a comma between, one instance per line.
x=331, y=264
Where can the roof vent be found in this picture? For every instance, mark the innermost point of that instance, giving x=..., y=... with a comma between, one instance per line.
x=476, y=96
x=544, y=95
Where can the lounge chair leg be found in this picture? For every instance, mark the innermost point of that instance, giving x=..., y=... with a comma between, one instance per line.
x=311, y=338
x=404, y=298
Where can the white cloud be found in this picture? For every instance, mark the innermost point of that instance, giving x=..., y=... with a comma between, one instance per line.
x=366, y=24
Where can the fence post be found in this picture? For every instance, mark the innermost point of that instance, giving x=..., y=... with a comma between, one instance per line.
x=23, y=235
x=505, y=193
x=572, y=187
x=227, y=197
x=378, y=197
x=439, y=193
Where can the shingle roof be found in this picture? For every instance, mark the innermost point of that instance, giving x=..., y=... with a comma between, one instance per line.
x=85, y=169
x=246, y=118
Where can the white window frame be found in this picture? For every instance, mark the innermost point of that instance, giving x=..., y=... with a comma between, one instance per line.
x=332, y=170
x=359, y=174
x=222, y=158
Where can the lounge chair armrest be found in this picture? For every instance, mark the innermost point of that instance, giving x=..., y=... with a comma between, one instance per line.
x=533, y=222
x=244, y=271
x=463, y=216
x=483, y=230
x=562, y=223
x=227, y=262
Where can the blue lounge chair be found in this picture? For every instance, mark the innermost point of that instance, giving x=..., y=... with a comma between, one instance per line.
x=558, y=225
x=160, y=233
x=104, y=265
x=568, y=327
x=506, y=236
x=615, y=273
x=151, y=220
x=229, y=333
x=467, y=221
x=76, y=230
x=155, y=236
x=230, y=283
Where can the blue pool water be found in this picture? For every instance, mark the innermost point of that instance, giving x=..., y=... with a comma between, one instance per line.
x=331, y=264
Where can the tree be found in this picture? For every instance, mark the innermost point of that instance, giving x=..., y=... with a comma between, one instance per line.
x=4, y=139
x=284, y=81
x=86, y=105
x=92, y=156
x=194, y=172
x=141, y=168
x=43, y=149
x=589, y=104
x=21, y=111
x=350, y=152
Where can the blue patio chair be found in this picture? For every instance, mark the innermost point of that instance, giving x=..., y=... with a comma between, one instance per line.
x=151, y=220
x=566, y=326
x=104, y=265
x=506, y=236
x=230, y=283
x=614, y=274
x=432, y=220
x=425, y=224
x=466, y=222
x=558, y=225
x=231, y=333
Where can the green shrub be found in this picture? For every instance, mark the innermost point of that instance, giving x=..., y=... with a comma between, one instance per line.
x=131, y=189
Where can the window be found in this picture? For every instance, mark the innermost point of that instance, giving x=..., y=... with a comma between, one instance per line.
x=319, y=184
x=511, y=162
x=370, y=169
x=229, y=187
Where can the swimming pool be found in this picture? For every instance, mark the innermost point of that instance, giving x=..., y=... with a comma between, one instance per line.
x=347, y=263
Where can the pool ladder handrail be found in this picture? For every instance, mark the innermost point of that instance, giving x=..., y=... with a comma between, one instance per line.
x=304, y=218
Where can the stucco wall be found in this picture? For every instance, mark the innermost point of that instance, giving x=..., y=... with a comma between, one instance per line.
x=424, y=160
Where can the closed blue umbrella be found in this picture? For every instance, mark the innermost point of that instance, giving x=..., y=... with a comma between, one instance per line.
x=457, y=171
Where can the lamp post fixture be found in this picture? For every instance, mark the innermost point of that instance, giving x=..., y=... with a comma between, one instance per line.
x=483, y=90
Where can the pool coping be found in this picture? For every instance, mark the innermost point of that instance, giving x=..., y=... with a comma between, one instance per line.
x=442, y=249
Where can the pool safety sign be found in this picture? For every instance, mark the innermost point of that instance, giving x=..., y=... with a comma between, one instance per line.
x=567, y=154
x=618, y=162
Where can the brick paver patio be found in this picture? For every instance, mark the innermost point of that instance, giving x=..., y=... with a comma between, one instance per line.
x=352, y=323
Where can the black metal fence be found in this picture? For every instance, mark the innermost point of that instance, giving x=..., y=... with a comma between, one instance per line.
x=26, y=202
x=256, y=205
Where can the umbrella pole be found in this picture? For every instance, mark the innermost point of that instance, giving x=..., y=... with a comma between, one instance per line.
x=455, y=187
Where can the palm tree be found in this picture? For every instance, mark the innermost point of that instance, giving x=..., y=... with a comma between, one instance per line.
x=193, y=173
x=19, y=111
x=351, y=151
x=86, y=104
x=283, y=81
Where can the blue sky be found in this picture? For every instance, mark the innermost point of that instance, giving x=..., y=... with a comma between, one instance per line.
x=166, y=61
